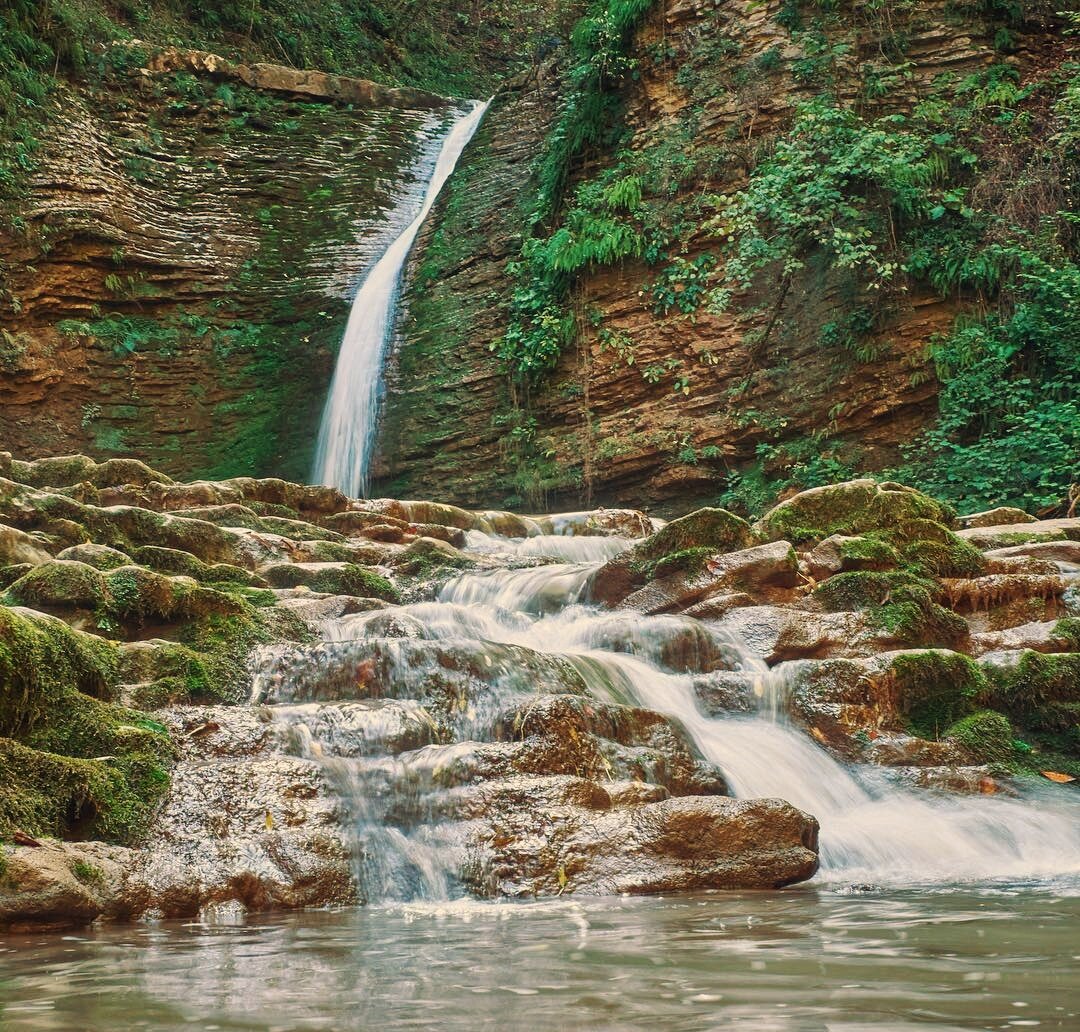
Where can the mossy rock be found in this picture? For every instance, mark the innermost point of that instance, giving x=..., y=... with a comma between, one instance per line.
x=173, y=561
x=690, y=561
x=715, y=529
x=855, y=507
x=684, y=545
x=866, y=552
x=987, y=736
x=332, y=579
x=127, y=594
x=158, y=673
x=950, y=556
x=935, y=688
x=62, y=584
x=1067, y=630
x=16, y=546
x=1040, y=691
x=428, y=558
x=100, y=557
x=912, y=617
x=861, y=589
x=10, y=574
x=72, y=763
x=68, y=470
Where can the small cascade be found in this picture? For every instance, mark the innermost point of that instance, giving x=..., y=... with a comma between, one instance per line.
x=495, y=639
x=347, y=433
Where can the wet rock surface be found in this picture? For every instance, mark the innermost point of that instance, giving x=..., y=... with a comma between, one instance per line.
x=290, y=710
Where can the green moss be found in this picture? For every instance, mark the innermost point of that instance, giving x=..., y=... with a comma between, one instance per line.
x=861, y=589
x=1068, y=630
x=62, y=583
x=867, y=552
x=87, y=873
x=951, y=557
x=126, y=595
x=690, y=560
x=429, y=562
x=935, y=688
x=986, y=735
x=912, y=617
x=336, y=579
x=100, y=557
x=10, y=574
x=214, y=667
x=715, y=529
x=71, y=762
x=1041, y=692
x=171, y=560
x=855, y=507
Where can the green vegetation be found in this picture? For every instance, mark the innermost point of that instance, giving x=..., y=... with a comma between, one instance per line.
x=949, y=196
x=882, y=186
x=598, y=227
x=935, y=688
x=72, y=762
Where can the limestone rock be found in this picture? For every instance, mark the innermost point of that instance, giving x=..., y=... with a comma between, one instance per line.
x=676, y=845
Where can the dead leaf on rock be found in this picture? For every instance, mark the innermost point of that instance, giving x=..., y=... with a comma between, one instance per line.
x=1061, y=779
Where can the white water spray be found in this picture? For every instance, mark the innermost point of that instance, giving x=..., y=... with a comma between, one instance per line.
x=347, y=434
x=517, y=628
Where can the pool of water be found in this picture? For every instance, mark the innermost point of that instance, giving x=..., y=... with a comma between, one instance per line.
x=806, y=958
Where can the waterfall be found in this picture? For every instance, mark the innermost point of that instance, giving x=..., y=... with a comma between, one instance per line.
x=347, y=433
x=515, y=629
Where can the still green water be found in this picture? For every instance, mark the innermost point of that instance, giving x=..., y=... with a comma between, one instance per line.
x=804, y=959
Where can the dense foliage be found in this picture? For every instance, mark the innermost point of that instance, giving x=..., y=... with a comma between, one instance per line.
x=884, y=188
x=922, y=197
x=593, y=230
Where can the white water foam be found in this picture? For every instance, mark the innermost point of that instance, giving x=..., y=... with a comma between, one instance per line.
x=520, y=624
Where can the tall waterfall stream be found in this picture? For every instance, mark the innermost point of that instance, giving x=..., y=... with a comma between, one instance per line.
x=515, y=628
x=347, y=433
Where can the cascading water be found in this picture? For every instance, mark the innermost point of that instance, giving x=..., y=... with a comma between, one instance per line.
x=514, y=629
x=347, y=433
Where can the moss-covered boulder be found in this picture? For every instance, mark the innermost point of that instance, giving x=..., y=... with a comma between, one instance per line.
x=431, y=558
x=100, y=557
x=840, y=553
x=683, y=545
x=332, y=579
x=172, y=560
x=899, y=603
x=126, y=594
x=72, y=763
x=1039, y=691
x=855, y=507
x=986, y=736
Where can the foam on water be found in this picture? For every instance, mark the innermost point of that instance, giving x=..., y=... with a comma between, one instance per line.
x=514, y=623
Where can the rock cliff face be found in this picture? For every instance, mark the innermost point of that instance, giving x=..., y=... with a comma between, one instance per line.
x=189, y=252
x=701, y=391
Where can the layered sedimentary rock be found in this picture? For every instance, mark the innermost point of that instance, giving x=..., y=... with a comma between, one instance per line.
x=702, y=391
x=190, y=240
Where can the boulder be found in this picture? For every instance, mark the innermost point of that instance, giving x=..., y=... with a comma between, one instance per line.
x=1002, y=516
x=59, y=885
x=1012, y=534
x=855, y=507
x=685, y=579
x=17, y=547
x=675, y=845
x=840, y=553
